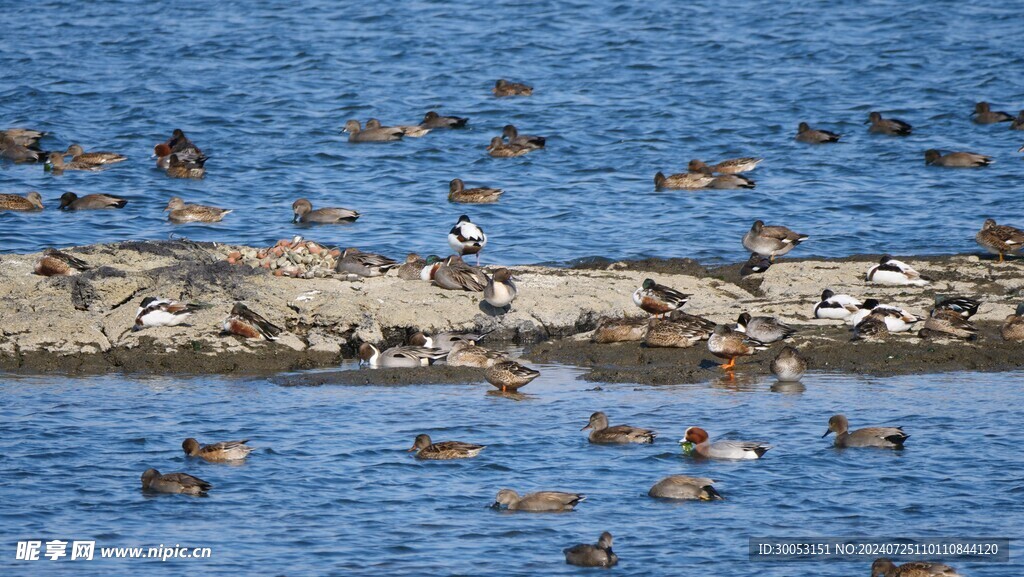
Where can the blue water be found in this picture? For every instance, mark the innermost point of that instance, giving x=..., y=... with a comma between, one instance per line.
x=331, y=490
x=623, y=90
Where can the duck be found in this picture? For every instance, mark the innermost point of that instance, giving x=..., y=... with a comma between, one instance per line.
x=434, y=120
x=999, y=238
x=888, y=126
x=587, y=555
x=180, y=144
x=736, y=165
x=26, y=137
x=945, y=323
x=14, y=150
x=897, y=320
x=177, y=167
x=357, y=134
x=182, y=483
x=412, y=268
x=883, y=567
x=684, y=488
x=602, y=434
x=500, y=290
x=771, y=241
x=756, y=264
x=836, y=307
x=55, y=163
x=893, y=272
x=180, y=212
x=729, y=344
x=1018, y=123
x=683, y=181
x=445, y=450
x=695, y=443
x=454, y=274
x=510, y=375
x=71, y=201
x=31, y=202
x=404, y=357
x=58, y=263
x=722, y=182
x=680, y=330
x=467, y=238
x=503, y=87
x=658, y=299
x=189, y=156
x=512, y=134
x=365, y=264
x=469, y=354
x=457, y=192
x=765, y=330
x=933, y=157
x=429, y=270
x=303, y=212
x=789, y=365
x=882, y=437
x=444, y=341
x=1013, y=326
x=964, y=306
x=217, y=452
x=873, y=327
x=804, y=133
x=539, y=502
x=412, y=131
x=500, y=149
x=161, y=312
x=78, y=154
x=983, y=114
x=611, y=330
x=246, y=323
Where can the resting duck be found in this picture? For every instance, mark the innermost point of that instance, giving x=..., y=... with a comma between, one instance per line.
x=454, y=274
x=680, y=330
x=412, y=268
x=79, y=155
x=539, y=502
x=804, y=133
x=1013, y=326
x=838, y=307
x=500, y=149
x=766, y=330
x=587, y=555
x=945, y=323
x=729, y=344
x=964, y=306
x=445, y=450
x=365, y=264
x=12, y=148
x=893, y=272
x=611, y=330
x=161, y=312
x=771, y=241
x=756, y=264
x=681, y=487
x=983, y=114
x=684, y=181
x=178, y=167
x=789, y=365
x=357, y=134
x=510, y=375
x=303, y=212
x=57, y=263
x=444, y=341
x=217, y=452
x=695, y=443
x=468, y=354
x=1000, y=238
x=889, y=126
x=433, y=262
x=180, y=212
x=412, y=131
x=896, y=319
x=933, y=157
x=873, y=327
x=399, y=357
x=882, y=437
x=736, y=165
x=457, y=192
x=434, y=120
x=721, y=182
x=182, y=483
x=248, y=324
x=71, y=201
x=55, y=163
x=500, y=290
x=658, y=299
x=602, y=434
x=511, y=133
x=503, y=87
x=31, y=202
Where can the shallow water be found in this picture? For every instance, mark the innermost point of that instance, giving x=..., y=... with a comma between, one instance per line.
x=622, y=90
x=332, y=490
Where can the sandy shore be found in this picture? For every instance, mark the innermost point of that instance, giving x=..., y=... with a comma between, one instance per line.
x=82, y=323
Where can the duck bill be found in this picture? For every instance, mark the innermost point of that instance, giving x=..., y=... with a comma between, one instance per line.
x=295, y=219
x=411, y=449
x=495, y=505
x=827, y=433
x=585, y=428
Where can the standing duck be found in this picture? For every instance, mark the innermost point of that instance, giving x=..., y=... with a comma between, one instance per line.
x=933, y=157
x=983, y=114
x=31, y=202
x=71, y=201
x=889, y=126
x=695, y=443
x=500, y=290
x=683, y=488
x=837, y=307
x=182, y=483
x=454, y=274
x=893, y=272
x=180, y=212
x=217, y=452
x=804, y=133
x=503, y=87
x=789, y=365
x=658, y=299
x=245, y=323
x=434, y=120
x=766, y=330
x=445, y=450
x=512, y=134
x=729, y=344
x=587, y=555
x=539, y=502
x=366, y=264
x=882, y=437
x=457, y=192
x=381, y=134
x=78, y=154
x=57, y=263
x=510, y=375
x=771, y=241
x=1000, y=238
x=602, y=434
x=467, y=238
x=303, y=212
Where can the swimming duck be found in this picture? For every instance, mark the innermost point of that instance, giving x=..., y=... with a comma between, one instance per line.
x=217, y=452
x=454, y=274
x=510, y=375
x=505, y=88
x=12, y=149
x=368, y=264
x=602, y=434
x=724, y=181
x=500, y=290
x=756, y=264
x=78, y=154
x=889, y=126
x=539, y=502
x=683, y=181
x=304, y=213
x=729, y=344
x=789, y=365
x=765, y=330
x=357, y=134
x=964, y=306
x=183, y=483
x=434, y=120
x=680, y=330
x=611, y=330
x=433, y=262
x=512, y=134
x=658, y=299
x=883, y=567
x=883, y=437
x=587, y=555
x=26, y=137
x=736, y=165
x=32, y=201
x=412, y=131
x=55, y=163
x=771, y=241
x=457, y=192
x=57, y=263
x=681, y=487
x=893, y=272
x=179, y=168
x=467, y=238
x=189, y=157
x=444, y=341
x=695, y=443
x=983, y=114
x=804, y=133
x=180, y=212
x=468, y=354
x=71, y=201
x=399, y=357
x=833, y=306
x=445, y=450
x=933, y=157
x=161, y=312
x=1013, y=326
x=412, y=268
x=944, y=323
x=245, y=323
x=896, y=319
x=499, y=149
x=180, y=144
x=873, y=327
x=999, y=238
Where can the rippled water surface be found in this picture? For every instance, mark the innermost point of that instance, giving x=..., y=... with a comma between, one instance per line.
x=332, y=490
x=623, y=90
